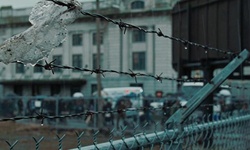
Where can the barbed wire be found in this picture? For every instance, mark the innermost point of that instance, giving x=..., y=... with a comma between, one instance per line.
x=124, y=26
x=51, y=66
x=42, y=116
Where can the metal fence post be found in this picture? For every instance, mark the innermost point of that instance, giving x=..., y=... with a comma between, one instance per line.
x=96, y=100
x=183, y=113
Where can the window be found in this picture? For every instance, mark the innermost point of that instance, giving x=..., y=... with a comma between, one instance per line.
x=77, y=39
x=58, y=61
x=139, y=61
x=137, y=5
x=55, y=89
x=19, y=68
x=75, y=88
x=77, y=61
x=95, y=61
x=18, y=89
x=139, y=36
x=94, y=38
x=38, y=69
x=93, y=88
x=136, y=85
x=36, y=90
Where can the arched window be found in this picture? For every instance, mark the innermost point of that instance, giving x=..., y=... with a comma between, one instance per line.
x=137, y=5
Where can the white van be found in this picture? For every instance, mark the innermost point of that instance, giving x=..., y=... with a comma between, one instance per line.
x=113, y=94
x=188, y=89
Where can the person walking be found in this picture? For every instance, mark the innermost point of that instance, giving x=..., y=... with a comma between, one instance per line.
x=108, y=115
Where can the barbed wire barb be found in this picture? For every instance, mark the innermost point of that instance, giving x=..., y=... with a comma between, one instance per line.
x=159, y=78
x=41, y=116
x=133, y=75
x=49, y=66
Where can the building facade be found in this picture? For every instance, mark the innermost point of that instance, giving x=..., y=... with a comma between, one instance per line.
x=121, y=51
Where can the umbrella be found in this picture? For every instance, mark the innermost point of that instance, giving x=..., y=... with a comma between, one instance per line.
x=78, y=95
x=225, y=92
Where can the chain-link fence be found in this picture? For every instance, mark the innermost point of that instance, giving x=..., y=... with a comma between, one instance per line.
x=228, y=131
x=151, y=126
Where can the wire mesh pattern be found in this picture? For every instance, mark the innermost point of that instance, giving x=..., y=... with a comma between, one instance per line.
x=228, y=132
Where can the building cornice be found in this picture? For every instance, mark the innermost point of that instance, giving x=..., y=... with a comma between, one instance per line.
x=16, y=21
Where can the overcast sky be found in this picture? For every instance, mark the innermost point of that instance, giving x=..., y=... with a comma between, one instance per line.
x=22, y=3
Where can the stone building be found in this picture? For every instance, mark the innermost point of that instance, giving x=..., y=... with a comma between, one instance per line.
x=135, y=50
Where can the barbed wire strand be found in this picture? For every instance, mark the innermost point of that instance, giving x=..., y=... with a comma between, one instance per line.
x=124, y=26
x=50, y=66
x=42, y=116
